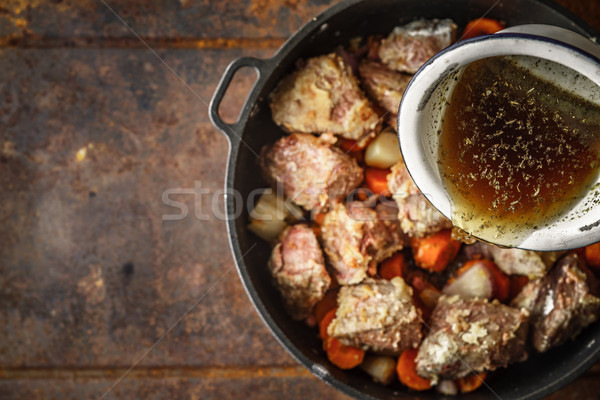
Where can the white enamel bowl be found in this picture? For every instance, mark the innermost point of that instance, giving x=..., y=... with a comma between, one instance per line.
x=419, y=118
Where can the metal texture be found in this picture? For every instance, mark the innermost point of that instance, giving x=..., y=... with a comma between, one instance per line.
x=90, y=275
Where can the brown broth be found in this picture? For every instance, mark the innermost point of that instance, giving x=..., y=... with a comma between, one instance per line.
x=515, y=151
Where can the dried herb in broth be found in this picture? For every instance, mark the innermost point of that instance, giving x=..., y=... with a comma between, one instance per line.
x=516, y=151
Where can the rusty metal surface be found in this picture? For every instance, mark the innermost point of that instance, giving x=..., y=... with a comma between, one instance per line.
x=264, y=388
x=188, y=23
x=91, y=274
x=157, y=19
x=93, y=280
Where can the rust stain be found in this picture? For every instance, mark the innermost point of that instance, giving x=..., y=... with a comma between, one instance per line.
x=155, y=372
x=267, y=8
x=92, y=286
x=38, y=42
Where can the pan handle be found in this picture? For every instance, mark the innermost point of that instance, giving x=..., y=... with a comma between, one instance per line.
x=232, y=131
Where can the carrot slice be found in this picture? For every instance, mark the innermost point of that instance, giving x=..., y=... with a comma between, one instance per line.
x=342, y=356
x=517, y=282
x=361, y=194
x=471, y=382
x=434, y=252
x=319, y=218
x=326, y=304
x=423, y=292
x=407, y=371
x=351, y=146
x=376, y=180
x=324, y=324
x=592, y=255
x=482, y=26
x=393, y=267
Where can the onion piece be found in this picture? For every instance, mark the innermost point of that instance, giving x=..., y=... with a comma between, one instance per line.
x=449, y=388
x=380, y=368
x=267, y=230
x=271, y=215
x=384, y=150
x=477, y=281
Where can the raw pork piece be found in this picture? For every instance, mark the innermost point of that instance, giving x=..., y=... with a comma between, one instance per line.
x=311, y=170
x=408, y=47
x=324, y=96
x=533, y=264
x=417, y=216
x=567, y=302
x=385, y=86
x=378, y=315
x=356, y=238
x=471, y=335
x=298, y=270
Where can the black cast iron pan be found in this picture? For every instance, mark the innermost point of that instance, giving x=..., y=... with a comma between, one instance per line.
x=536, y=378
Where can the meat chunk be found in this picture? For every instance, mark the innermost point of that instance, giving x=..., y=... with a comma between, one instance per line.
x=528, y=295
x=417, y=216
x=567, y=302
x=387, y=215
x=471, y=335
x=311, y=171
x=378, y=315
x=385, y=86
x=408, y=47
x=516, y=261
x=324, y=96
x=298, y=270
x=356, y=237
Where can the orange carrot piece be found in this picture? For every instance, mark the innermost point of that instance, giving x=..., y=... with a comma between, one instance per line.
x=376, y=180
x=471, y=382
x=393, y=267
x=406, y=369
x=352, y=148
x=319, y=218
x=592, y=255
x=418, y=281
x=326, y=304
x=517, y=282
x=349, y=145
x=361, y=194
x=482, y=26
x=342, y=356
x=324, y=324
x=434, y=252
x=317, y=230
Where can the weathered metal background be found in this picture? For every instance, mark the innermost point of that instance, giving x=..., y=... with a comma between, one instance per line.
x=94, y=128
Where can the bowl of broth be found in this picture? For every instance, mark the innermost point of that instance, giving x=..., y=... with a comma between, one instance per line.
x=502, y=134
